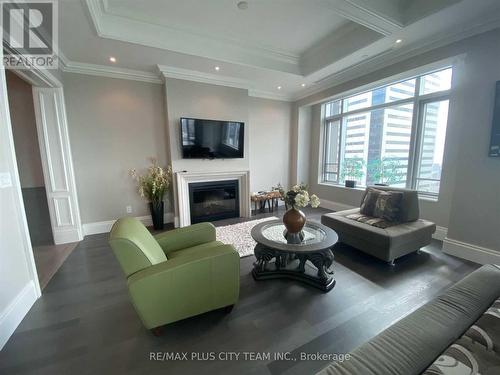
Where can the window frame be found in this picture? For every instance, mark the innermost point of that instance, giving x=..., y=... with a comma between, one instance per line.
x=417, y=124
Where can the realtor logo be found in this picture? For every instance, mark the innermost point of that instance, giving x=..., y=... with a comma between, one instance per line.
x=29, y=34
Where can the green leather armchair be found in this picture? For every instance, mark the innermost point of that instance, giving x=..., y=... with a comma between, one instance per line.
x=175, y=274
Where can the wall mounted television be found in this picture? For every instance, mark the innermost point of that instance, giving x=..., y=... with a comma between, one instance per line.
x=211, y=139
x=495, y=129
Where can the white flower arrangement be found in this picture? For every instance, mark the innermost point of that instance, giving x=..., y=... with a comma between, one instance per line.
x=298, y=196
x=154, y=184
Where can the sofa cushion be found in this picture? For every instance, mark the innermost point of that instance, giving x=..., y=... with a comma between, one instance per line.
x=369, y=201
x=486, y=330
x=409, y=204
x=410, y=345
x=393, y=236
x=388, y=205
x=370, y=220
x=476, y=352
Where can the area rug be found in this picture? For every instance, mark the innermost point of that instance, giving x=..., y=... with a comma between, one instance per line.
x=239, y=235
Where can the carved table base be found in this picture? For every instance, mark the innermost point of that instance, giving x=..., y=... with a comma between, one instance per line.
x=273, y=264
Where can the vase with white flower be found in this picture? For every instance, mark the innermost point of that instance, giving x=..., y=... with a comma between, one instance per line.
x=294, y=219
x=152, y=187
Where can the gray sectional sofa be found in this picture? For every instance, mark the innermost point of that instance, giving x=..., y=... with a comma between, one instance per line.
x=456, y=333
x=388, y=244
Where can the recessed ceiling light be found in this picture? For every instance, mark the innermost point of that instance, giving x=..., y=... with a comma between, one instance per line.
x=217, y=68
x=243, y=5
x=399, y=41
x=112, y=59
x=303, y=85
x=279, y=87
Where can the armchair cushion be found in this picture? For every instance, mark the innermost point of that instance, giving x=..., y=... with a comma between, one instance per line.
x=183, y=238
x=194, y=250
x=186, y=285
x=134, y=245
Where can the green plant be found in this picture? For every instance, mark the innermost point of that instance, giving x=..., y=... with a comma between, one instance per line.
x=297, y=196
x=386, y=170
x=352, y=169
x=155, y=183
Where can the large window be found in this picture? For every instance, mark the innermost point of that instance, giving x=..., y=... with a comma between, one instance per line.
x=391, y=135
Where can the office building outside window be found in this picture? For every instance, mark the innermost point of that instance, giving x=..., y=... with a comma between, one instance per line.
x=392, y=135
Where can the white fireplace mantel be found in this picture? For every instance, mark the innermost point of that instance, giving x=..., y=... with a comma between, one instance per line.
x=183, y=180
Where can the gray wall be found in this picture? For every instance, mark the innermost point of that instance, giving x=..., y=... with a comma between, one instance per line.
x=304, y=144
x=14, y=272
x=469, y=202
x=270, y=143
x=22, y=112
x=475, y=209
x=267, y=130
x=114, y=125
x=200, y=100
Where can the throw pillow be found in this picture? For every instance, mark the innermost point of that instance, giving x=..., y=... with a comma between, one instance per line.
x=388, y=205
x=368, y=205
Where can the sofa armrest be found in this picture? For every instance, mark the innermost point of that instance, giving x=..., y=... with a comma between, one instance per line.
x=186, y=286
x=183, y=238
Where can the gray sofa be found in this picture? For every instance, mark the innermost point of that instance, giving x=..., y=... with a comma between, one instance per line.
x=389, y=243
x=456, y=333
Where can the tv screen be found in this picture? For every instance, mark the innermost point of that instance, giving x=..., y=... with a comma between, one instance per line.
x=211, y=139
x=495, y=129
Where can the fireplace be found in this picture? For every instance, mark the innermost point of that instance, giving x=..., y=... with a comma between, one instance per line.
x=216, y=200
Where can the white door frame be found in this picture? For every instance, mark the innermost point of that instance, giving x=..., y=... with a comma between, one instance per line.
x=40, y=79
x=57, y=164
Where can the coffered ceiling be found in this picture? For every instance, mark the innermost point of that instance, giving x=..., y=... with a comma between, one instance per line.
x=275, y=48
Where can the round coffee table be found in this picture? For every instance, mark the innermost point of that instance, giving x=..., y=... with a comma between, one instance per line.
x=291, y=260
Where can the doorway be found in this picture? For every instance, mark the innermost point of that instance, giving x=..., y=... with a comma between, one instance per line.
x=47, y=255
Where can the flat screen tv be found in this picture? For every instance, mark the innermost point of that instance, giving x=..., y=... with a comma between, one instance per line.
x=211, y=139
x=495, y=129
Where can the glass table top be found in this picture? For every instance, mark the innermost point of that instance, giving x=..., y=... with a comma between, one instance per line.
x=275, y=232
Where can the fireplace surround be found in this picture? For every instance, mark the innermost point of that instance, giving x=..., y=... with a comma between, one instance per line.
x=215, y=200
x=182, y=191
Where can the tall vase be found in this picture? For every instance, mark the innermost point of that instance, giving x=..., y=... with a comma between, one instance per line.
x=156, y=209
x=294, y=220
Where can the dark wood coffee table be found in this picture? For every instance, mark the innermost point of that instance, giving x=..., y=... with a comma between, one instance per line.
x=309, y=262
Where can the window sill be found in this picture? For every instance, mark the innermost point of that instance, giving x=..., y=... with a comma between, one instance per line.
x=423, y=197
x=428, y=198
x=342, y=186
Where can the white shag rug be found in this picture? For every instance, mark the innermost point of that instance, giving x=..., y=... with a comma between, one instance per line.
x=239, y=235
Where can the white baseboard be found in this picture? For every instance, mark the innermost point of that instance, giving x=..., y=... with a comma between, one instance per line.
x=16, y=311
x=105, y=226
x=67, y=236
x=440, y=233
x=474, y=253
x=335, y=206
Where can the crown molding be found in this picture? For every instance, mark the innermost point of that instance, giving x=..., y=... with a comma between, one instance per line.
x=69, y=66
x=391, y=56
x=108, y=71
x=127, y=29
x=363, y=15
x=219, y=80
x=269, y=95
x=203, y=77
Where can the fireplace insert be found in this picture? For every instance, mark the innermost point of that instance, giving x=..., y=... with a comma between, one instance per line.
x=217, y=200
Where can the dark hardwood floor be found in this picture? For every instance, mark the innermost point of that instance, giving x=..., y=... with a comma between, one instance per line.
x=85, y=324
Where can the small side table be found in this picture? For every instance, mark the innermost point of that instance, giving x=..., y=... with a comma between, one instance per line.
x=271, y=198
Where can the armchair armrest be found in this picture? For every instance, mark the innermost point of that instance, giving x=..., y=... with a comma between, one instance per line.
x=186, y=286
x=183, y=238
